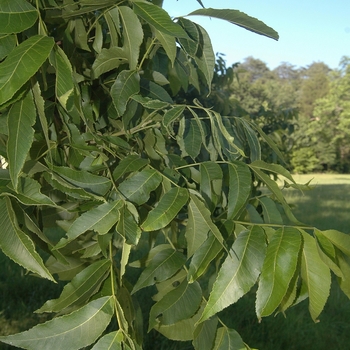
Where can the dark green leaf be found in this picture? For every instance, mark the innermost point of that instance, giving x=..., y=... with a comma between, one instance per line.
x=204, y=334
x=163, y=265
x=7, y=44
x=271, y=213
x=129, y=164
x=228, y=339
x=128, y=225
x=192, y=138
x=189, y=45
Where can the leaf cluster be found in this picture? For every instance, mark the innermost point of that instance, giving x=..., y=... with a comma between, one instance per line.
x=126, y=181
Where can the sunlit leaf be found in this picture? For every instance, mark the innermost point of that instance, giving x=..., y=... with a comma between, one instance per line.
x=110, y=341
x=166, y=210
x=179, y=304
x=16, y=16
x=65, y=331
x=239, y=18
x=339, y=239
x=16, y=244
x=158, y=18
x=278, y=270
x=82, y=286
x=21, y=119
x=239, y=271
x=163, y=265
x=316, y=275
x=22, y=63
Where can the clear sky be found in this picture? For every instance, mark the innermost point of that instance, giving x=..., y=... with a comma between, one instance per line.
x=309, y=30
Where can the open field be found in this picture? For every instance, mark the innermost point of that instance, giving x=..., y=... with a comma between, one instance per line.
x=326, y=206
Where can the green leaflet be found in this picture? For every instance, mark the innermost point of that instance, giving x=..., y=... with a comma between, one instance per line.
x=21, y=119
x=239, y=188
x=107, y=60
x=278, y=270
x=158, y=18
x=204, y=334
x=239, y=18
x=179, y=304
x=189, y=45
x=339, y=239
x=132, y=35
x=126, y=85
x=163, y=265
x=171, y=116
x=65, y=332
x=7, y=44
x=128, y=224
x=316, y=275
x=82, y=287
x=110, y=341
x=168, y=42
x=344, y=265
x=16, y=244
x=22, y=63
x=100, y=219
x=129, y=164
x=239, y=271
x=192, y=138
x=271, y=213
x=205, y=59
x=138, y=187
x=168, y=207
x=228, y=339
x=81, y=179
x=16, y=16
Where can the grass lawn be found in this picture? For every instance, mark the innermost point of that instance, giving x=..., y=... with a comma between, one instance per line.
x=326, y=206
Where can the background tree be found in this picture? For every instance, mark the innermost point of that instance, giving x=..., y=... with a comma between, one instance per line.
x=127, y=185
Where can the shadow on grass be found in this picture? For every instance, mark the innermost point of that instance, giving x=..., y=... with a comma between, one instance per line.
x=325, y=206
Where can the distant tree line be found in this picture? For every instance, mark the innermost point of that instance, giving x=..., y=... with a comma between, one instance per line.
x=305, y=110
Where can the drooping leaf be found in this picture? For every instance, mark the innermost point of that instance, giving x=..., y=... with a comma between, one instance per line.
x=108, y=59
x=66, y=269
x=16, y=16
x=189, y=45
x=179, y=304
x=81, y=179
x=126, y=85
x=158, y=18
x=128, y=226
x=168, y=42
x=16, y=244
x=344, y=264
x=154, y=91
x=132, y=35
x=22, y=63
x=228, y=339
x=239, y=188
x=239, y=271
x=138, y=187
x=66, y=331
x=82, y=286
x=278, y=270
x=192, y=138
x=206, y=59
x=21, y=119
x=163, y=265
x=100, y=219
x=316, y=275
x=239, y=18
x=166, y=210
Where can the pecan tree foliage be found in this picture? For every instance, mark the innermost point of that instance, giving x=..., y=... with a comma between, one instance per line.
x=119, y=180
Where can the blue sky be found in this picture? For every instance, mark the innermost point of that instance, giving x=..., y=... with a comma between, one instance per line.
x=309, y=30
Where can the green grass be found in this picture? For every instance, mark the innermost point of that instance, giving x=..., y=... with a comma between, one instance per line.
x=326, y=206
